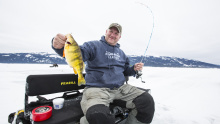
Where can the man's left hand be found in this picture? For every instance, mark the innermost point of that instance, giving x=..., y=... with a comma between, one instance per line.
x=138, y=66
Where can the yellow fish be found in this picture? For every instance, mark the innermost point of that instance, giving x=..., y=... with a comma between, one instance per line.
x=73, y=56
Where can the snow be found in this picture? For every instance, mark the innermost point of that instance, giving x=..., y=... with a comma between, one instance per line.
x=182, y=95
x=28, y=55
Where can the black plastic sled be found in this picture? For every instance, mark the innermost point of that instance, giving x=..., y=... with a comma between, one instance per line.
x=39, y=86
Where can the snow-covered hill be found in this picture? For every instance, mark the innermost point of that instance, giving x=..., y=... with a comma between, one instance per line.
x=161, y=61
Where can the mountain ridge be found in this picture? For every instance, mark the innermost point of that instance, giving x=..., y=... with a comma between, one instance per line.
x=49, y=58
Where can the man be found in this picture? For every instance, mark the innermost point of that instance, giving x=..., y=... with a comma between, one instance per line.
x=106, y=67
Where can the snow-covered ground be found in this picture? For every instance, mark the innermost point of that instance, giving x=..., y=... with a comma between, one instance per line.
x=182, y=95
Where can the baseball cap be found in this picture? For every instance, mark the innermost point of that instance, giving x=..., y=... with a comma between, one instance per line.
x=117, y=26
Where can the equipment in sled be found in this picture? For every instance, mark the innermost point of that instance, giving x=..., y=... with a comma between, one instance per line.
x=54, y=65
x=42, y=110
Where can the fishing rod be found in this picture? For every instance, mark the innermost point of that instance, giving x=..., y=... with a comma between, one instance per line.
x=139, y=73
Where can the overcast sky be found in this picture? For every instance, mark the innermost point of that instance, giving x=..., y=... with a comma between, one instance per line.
x=183, y=28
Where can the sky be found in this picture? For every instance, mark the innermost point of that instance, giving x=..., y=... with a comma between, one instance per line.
x=182, y=28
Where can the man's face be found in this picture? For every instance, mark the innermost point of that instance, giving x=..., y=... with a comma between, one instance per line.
x=112, y=36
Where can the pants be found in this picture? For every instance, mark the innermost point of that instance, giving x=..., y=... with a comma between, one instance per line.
x=95, y=96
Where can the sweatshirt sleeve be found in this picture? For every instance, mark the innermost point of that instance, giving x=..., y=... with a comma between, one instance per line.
x=129, y=70
x=88, y=51
x=58, y=51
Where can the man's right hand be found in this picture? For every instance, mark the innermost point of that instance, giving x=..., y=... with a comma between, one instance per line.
x=59, y=41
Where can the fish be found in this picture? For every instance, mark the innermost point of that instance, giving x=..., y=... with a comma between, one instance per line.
x=74, y=59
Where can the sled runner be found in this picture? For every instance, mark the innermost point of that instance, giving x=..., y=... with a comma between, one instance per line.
x=67, y=85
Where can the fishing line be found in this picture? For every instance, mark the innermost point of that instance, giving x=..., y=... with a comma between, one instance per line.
x=151, y=29
x=139, y=73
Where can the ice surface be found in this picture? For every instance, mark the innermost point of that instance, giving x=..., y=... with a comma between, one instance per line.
x=182, y=95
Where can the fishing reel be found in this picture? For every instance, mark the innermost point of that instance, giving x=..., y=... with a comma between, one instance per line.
x=138, y=75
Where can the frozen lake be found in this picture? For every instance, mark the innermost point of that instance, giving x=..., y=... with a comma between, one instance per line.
x=182, y=95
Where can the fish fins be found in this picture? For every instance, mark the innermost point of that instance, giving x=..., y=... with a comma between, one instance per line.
x=81, y=80
x=63, y=53
x=74, y=70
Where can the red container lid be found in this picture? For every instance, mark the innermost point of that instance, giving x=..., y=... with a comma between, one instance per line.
x=41, y=113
